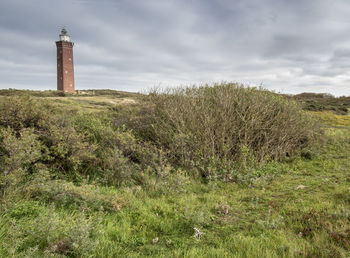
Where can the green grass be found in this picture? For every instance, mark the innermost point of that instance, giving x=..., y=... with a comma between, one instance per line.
x=296, y=208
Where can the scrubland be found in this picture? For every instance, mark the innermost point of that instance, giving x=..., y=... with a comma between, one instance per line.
x=211, y=171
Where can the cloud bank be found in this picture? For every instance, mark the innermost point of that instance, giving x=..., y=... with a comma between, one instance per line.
x=286, y=46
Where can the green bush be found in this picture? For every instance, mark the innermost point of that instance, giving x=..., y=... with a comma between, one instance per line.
x=72, y=145
x=18, y=154
x=25, y=209
x=62, y=149
x=22, y=112
x=67, y=150
x=119, y=156
x=226, y=122
x=215, y=130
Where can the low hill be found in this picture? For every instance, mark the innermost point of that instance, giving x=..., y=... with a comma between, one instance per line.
x=323, y=102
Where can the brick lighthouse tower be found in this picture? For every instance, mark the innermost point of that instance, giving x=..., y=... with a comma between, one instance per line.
x=65, y=67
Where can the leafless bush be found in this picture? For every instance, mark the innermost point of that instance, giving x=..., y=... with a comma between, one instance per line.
x=227, y=121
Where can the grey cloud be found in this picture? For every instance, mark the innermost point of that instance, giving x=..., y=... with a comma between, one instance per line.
x=288, y=46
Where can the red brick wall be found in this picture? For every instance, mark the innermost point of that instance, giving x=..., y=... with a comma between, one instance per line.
x=65, y=66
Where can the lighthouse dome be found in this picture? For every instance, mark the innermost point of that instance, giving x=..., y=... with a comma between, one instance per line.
x=64, y=35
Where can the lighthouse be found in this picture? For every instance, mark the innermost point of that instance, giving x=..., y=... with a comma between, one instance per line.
x=65, y=65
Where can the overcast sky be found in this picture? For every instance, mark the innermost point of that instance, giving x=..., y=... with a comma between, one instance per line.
x=289, y=46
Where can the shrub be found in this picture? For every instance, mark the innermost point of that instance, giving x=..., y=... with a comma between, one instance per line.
x=63, y=149
x=67, y=149
x=72, y=146
x=21, y=112
x=18, y=154
x=25, y=209
x=120, y=156
x=227, y=121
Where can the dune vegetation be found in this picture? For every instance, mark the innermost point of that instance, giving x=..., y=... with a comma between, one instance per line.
x=211, y=171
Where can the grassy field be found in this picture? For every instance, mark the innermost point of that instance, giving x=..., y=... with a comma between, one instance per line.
x=298, y=207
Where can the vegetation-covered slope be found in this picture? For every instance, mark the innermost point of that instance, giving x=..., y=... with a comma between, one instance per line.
x=104, y=175
x=324, y=102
